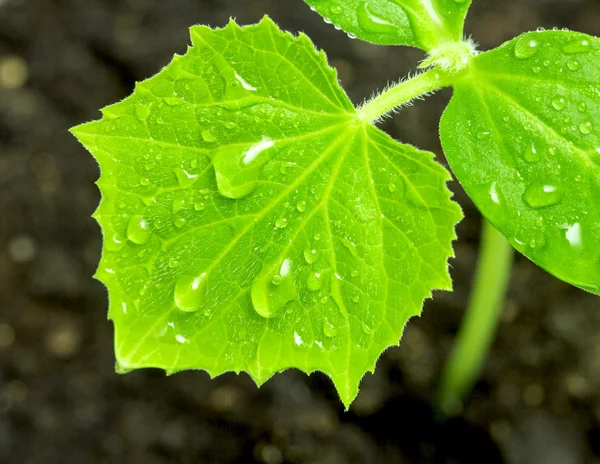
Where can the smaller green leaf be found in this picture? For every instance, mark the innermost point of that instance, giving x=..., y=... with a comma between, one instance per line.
x=522, y=134
x=424, y=24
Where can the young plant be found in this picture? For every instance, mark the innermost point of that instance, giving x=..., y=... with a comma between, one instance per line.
x=255, y=220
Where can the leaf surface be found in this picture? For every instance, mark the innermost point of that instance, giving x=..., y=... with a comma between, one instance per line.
x=522, y=134
x=419, y=23
x=253, y=223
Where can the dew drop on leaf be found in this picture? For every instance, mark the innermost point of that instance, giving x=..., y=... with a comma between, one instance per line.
x=137, y=230
x=582, y=107
x=540, y=195
x=208, y=137
x=329, y=329
x=281, y=223
x=586, y=128
x=311, y=255
x=314, y=281
x=573, y=235
x=531, y=154
x=526, y=47
x=184, y=178
x=335, y=10
x=190, y=292
x=573, y=64
x=268, y=298
x=576, y=46
x=559, y=103
x=373, y=23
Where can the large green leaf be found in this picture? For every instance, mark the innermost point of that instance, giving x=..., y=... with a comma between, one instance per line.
x=421, y=23
x=253, y=223
x=522, y=134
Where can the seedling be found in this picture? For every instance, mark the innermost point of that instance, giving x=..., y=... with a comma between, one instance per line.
x=255, y=220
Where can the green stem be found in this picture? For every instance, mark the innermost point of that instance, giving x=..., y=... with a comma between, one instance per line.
x=481, y=321
x=403, y=92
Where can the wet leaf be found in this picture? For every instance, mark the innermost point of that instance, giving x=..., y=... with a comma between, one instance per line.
x=522, y=134
x=420, y=23
x=252, y=222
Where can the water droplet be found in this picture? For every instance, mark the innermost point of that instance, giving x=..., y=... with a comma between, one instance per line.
x=368, y=330
x=373, y=23
x=208, y=137
x=311, y=256
x=536, y=69
x=573, y=235
x=144, y=181
x=355, y=298
x=267, y=298
x=298, y=339
x=315, y=281
x=173, y=263
x=281, y=223
x=582, y=107
x=351, y=246
x=301, y=206
x=559, y=103
x=573, y=64
x=482, y=135
x=178, y=204
x=540, y=195
x=180, y=222
x=190, y=292
x=237, y=172
x=114, y=242
x=137, y=230
x=335, y=10
x=392, y=187
x=531, y=154
x=245, y=84
x=329, y=329
x=199, y=206
x=184, y=178
x=526, y=47
x=494, y=195
x=586, y=128
x=576, y=46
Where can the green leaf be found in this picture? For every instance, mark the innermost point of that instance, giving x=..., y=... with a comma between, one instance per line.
x=253, y=223
x=420, y=23
x=522, y=134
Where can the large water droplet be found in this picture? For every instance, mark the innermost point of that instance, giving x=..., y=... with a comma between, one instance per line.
x=573, y=64
x=576, y=46
x=586, y=128
x=531, y=154
x=269, y=297
x=540, y=195
x=559, y=103
x=373, y=23
x=526, y=47
x=573, y=235
x=329, y=329
x=137, y=230
x=351, y=246
x=311, y=255
x=237, y=172
x=190, y=292
x=315, y=281
x=208, y=137
x=185, y=178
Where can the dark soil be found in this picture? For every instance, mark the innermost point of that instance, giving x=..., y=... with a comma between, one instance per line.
x=537, y=401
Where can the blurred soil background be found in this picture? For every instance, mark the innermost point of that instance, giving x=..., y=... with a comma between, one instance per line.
x=538, y=401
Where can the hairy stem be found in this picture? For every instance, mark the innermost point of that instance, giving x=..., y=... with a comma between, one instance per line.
x=403, y=92
x=481, y=320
